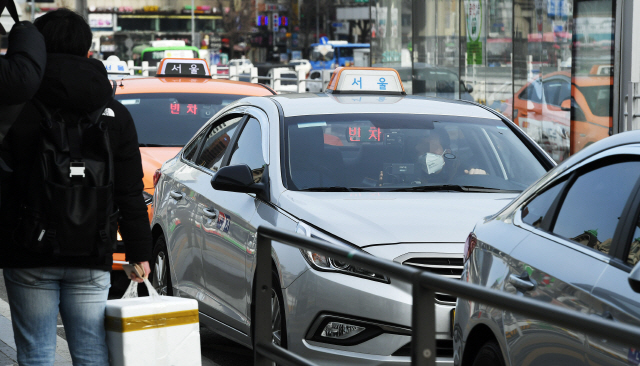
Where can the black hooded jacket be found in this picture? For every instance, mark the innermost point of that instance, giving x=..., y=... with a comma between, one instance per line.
x=76, y=83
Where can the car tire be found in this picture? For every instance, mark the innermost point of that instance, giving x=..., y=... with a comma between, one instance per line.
x=278, y=319
x=160, y=271
x=489, y=355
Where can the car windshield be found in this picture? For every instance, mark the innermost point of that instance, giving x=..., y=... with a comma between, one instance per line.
x=171, y=119
x=402, y=152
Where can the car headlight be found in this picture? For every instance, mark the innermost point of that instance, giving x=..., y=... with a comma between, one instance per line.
x=321, y=262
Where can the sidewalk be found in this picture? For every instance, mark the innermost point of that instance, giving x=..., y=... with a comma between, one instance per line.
x=8, y=355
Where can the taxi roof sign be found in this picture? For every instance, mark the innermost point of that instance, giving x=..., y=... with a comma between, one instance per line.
x=365, y=80
x=115, y=66
x=191, y=67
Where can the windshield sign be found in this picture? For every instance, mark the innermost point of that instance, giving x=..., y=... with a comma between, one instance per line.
x=170, y=119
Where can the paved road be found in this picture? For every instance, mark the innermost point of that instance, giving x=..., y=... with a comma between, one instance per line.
x=216, y=350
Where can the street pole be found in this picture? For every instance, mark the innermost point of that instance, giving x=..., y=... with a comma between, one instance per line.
x=193, y=24
x=33, y=10
x=318, y=21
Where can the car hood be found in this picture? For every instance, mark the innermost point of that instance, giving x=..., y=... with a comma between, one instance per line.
x=369, y=218
x=152, y=159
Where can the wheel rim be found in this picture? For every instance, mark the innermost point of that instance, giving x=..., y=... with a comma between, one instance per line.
x=160, y=274
x=276, y=319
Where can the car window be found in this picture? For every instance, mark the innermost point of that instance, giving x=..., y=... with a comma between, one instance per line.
x=534, y=212
x=404, y=152
x=556, y=91
x=191, y=149
x=591, y=210
x=634, y=251
x=216, y=142
x=171, y=119
x=248, y=149
x=533, y=92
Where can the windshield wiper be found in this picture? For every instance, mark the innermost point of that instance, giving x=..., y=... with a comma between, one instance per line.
x=490, y=189
x=433, y=188
x=451, y=187
x=334, y=189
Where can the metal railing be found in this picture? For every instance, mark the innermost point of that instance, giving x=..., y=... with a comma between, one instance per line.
x=424, y=286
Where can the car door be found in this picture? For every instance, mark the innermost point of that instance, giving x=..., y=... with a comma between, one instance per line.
x=614, y=298
x=183, y=242
x=215, y=140
x=561, y=263
x=227, y=238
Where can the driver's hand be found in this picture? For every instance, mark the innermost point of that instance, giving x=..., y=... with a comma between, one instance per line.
x=475, y=171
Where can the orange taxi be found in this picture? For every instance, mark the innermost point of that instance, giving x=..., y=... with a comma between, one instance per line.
x=564, y=115
x=167, y=111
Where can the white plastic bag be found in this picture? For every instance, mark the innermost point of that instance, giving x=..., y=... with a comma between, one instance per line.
x=132, y=291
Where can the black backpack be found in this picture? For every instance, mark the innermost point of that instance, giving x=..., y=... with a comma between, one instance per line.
x=68, y=207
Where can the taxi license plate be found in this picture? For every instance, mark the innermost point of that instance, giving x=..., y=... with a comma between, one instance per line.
x=453, y=318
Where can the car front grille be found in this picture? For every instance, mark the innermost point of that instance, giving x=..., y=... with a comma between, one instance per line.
x=443, y=266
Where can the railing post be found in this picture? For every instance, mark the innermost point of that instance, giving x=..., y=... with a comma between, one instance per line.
x=262, y=314
x=130, y=66
x=254, y=75
x=423, y=325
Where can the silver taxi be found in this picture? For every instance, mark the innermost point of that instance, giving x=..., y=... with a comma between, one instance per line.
x=571, y=240
x=363, y=166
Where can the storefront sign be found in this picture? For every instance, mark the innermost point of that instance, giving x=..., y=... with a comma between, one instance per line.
x=101, y=20
x=473, y=10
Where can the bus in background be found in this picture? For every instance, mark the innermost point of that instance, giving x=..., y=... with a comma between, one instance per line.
x=166, y=49
x=332, y=54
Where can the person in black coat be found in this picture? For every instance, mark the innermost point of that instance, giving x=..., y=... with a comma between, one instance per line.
x=39, y=286
x=21, y=71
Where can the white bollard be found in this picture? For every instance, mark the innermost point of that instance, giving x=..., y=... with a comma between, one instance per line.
x=213, y=69
x=130, y=66
x=233, y=73
x=275, y=75
x=254, y=75
x=302, y=87
x=145, y=68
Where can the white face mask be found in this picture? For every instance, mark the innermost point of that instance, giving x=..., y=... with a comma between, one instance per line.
x=433, y=163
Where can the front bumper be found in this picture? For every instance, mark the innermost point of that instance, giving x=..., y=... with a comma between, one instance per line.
x=316, y=293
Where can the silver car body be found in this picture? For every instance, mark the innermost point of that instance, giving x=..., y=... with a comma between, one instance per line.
x=511, y=255
x=216, y=266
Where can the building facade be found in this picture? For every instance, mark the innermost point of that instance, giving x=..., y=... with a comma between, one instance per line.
x=546, y=64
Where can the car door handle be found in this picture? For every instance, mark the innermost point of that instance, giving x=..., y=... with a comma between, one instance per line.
x=176, y=195
x=209, y=212
x=522, y=282
x=607, y=315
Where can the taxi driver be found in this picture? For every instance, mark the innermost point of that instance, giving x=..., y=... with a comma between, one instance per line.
x=432, y=151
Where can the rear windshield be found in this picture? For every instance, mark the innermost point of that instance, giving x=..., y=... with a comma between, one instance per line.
x=403, y=152
x=286, y=76
x=170, y=119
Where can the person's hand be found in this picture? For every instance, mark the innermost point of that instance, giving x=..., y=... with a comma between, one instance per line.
x=145, y=268
x=475, y=171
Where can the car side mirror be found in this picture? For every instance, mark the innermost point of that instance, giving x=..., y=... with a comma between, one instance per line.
x=469, y=88
x=566, y=105
x=236, y=178
x=634, y=278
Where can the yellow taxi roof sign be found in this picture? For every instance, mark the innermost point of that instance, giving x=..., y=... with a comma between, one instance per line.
x=365, y=80
x=190, y=67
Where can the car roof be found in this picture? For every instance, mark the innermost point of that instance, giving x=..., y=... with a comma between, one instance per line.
x=189, y=85
x=300, y=105
x=619, y=139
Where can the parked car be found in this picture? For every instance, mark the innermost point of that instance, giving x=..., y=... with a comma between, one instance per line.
x=243, y=65
x=288, y=80
x=366, y=171
x=571, y=240
x=301, y=64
